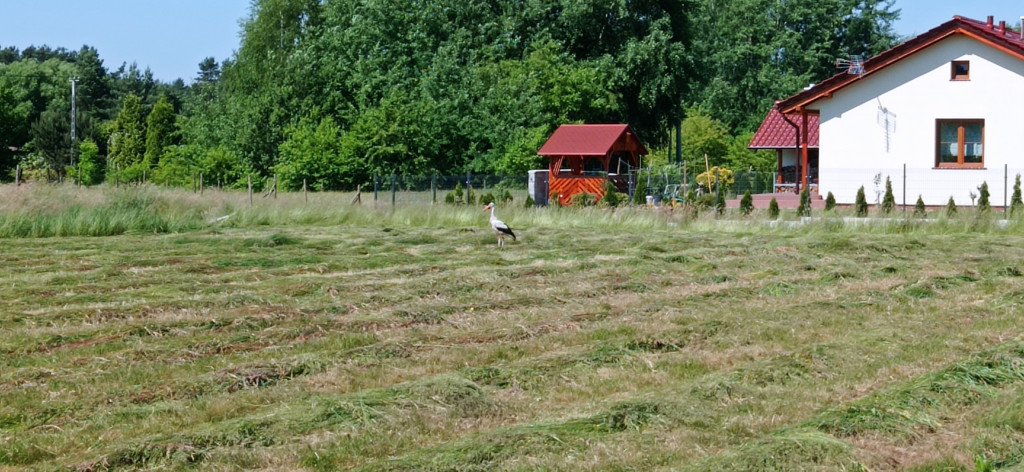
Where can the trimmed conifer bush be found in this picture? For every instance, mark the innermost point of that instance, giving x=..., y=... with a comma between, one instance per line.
x=861, y=203
x=746, y=203
x=888, y=201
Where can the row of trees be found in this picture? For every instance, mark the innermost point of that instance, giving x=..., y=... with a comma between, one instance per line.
x=333, y=92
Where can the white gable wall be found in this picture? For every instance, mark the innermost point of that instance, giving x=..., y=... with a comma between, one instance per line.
x=917, y=91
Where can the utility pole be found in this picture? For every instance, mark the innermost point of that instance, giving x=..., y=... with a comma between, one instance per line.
x=73, y=80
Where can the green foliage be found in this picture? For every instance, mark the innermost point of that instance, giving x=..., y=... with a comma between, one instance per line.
x=773, y=209
x=1016, y=204
x=983, y=197
x=950, y=208
x=920, y=211
x=51, y=139
x=314, y=152
x=704, y=136
x=458, y=194
x=128, y=143
x=640, y=190
x=583, y=199
x=710, y=179
x=506, y=197
x=744, y=159
x=888, y=200
x=830, y=202
x=176, y=166
x=746, y=60
x=611, y=197
x=91, y=164
x=220, y=165
x=861, y=203
x=720, y=202
x=804, y=208
x=746, y=203
x=160, y=131
x=486, y=198
x=529, y=203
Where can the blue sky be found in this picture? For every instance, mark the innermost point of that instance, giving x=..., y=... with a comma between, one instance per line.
x=171, y=37
x=918, y=16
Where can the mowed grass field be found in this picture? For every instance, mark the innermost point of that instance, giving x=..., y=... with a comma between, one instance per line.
x=142, y=330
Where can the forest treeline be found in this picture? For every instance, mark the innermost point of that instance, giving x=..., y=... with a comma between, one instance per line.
x=334, y=91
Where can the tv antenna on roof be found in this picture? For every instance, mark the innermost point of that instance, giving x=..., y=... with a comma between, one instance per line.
x=854, y=65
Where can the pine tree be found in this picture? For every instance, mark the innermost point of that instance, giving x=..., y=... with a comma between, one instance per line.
x=888, y=201
x=983, y=204
x=773, y=209
x=746, y=203
x=830, y=202
x=862, y=203
x=950, y=207
x=919, y=209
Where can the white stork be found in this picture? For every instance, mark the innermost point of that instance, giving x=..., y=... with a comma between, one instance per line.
x=499, y=226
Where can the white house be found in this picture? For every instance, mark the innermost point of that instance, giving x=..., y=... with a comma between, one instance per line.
x=938, y=115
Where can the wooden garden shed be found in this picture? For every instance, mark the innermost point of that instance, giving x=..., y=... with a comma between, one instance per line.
x=581, y=158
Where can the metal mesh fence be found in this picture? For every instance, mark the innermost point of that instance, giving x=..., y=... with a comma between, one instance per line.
x=935, y=187
x=399, y=189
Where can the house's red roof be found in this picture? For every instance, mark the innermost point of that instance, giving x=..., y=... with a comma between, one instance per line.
x=776, y=133
x=591, y=140
x=997, y=36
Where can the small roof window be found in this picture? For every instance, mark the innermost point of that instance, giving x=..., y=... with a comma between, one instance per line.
x=960, y=70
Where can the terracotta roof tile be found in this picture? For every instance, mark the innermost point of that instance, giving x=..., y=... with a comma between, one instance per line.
x=584, y=140
x=776, y=133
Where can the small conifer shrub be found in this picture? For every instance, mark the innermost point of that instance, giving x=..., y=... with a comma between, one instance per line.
x=746, y=203
x=861, y=203
x=919, y=209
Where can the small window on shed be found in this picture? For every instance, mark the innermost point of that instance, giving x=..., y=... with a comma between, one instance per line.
x=961, y=70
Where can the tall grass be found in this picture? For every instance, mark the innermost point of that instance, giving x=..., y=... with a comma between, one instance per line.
x=32, y=211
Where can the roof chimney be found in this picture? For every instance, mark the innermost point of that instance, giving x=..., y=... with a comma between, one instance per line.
x=989, y=22
x=1002, y=26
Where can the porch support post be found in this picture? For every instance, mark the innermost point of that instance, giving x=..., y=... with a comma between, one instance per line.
x=803, y=146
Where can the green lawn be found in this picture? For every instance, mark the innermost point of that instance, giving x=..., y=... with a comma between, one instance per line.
x=316, y=335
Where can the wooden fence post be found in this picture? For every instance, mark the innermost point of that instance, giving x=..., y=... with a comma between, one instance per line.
x=248, y=181
x=305, y=197
x=200, y=184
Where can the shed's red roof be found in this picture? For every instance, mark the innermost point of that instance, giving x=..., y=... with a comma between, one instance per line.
x=1003, y=39
x=591, y=140
x=776, y=133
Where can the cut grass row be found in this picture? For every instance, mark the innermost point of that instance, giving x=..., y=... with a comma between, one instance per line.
x=379, y=344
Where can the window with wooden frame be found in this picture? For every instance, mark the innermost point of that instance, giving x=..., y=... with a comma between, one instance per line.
x=960, y=70
x=960, y=144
